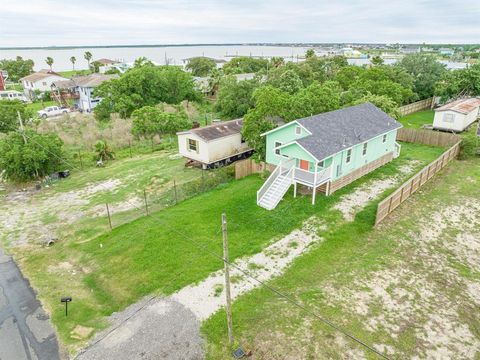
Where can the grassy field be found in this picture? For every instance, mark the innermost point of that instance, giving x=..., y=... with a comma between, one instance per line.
x=155, y=254
x=417, y=119
x=406, y=289
x=71, y=73
x=37, y=106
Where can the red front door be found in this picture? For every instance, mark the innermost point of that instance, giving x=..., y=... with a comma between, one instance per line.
x=305, y=165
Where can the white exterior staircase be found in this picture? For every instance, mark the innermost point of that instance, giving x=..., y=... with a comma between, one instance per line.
x=276, y=185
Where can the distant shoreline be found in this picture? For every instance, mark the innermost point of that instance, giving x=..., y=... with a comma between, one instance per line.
x=69, y=47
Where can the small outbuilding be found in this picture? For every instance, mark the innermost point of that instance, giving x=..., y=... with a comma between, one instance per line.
x=215, y=145
x=457, y=115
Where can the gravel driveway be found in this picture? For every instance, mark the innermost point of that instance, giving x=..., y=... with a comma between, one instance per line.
x=151, y=329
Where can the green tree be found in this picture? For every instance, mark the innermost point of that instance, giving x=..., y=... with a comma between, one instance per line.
x=462, y=82
x=426, y=72
x=150, y=121
x=316, y=99
x=277, y=61
x=49, y=61
x=377, y=60
x=142, y=61
x=9, y=111
x=73, y=60
x=234, y=97
x=288, y=81
x=146, y=86
x=88, y=56
x=245, y=64
x=270, y=103
x=17, y=68
x=103, y=151
x=383, y=102
x=31, y=157
x=310, y=53
x=201, y=66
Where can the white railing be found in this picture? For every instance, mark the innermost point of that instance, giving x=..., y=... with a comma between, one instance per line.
x=275, y=173
x=308, y=177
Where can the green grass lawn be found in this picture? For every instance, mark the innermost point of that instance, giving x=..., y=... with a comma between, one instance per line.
x=163, y=253
x=350, y=255
x=417, y=119
x=37, y=106
x=71, y=73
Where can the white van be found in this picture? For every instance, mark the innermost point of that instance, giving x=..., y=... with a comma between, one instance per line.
x=12, y=95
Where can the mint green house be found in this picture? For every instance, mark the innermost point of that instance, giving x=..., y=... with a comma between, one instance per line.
x=327, y=151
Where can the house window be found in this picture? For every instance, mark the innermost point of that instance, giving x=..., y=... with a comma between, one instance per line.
x=321, y=164
x=298, y=130
x=349, y=156
x=384, y=139
x=448, y=118
x=192, y=145
x=364, y=150
x=277, y=144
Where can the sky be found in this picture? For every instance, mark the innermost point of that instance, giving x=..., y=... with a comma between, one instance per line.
x=122, y=22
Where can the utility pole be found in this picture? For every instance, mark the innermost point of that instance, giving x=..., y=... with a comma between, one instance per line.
x=21, y=127
x=227, y=280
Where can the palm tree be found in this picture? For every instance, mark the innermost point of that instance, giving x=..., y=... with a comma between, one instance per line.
x=73, y=60
x=88, y=56
x=49, y=62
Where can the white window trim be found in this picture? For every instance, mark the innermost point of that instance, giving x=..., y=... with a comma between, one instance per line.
x=298, y=130
x=276, y=147
x=364, y=148
x=348, y=158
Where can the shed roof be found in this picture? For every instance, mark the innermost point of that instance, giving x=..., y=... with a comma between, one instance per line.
x=341, y=129
x=462, y=106
x=217, y=130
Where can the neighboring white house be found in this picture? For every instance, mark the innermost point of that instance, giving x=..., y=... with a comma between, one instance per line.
x=80, y=89
x=457, y=115
x=39, y=81
x=85, y=87
x=214, y=145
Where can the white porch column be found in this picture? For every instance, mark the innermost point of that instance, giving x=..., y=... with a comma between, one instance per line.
x=314, y=184
x=294, y=189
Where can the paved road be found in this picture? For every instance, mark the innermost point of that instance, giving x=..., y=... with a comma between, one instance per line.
x=25, y=329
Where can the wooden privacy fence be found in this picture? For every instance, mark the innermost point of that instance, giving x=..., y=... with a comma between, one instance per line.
x=413, y=184
x=249, y=166
x=417, y=106
x=427, y=137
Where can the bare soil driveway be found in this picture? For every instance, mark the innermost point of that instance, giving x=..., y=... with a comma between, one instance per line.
x=25, y=329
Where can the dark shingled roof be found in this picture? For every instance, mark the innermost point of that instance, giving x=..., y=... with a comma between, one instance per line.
x=341, y=129
x=218, y=130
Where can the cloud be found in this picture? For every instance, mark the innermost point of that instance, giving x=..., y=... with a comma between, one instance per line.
x=106, y=22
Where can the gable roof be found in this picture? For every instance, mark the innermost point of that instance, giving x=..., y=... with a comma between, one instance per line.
x=462, y=106
x=337, y=130
x=93, y=80
x=42, y=74
x=217, y=130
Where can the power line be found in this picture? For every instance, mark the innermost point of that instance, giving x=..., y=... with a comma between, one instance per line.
x=246, y=273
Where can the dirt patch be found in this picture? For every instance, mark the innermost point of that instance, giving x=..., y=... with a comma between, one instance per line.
x=81, y=332
x=22, y=212
x=205, y=298
x=350, y=204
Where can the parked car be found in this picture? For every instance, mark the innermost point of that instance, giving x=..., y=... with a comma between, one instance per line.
x=51, y=111
x=12, y=95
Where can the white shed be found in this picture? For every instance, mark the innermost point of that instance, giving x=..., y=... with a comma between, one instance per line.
x=214, y=145
x=457, y=115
